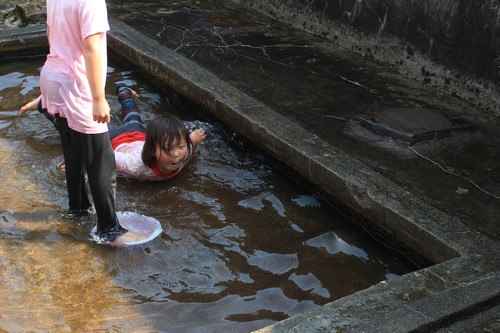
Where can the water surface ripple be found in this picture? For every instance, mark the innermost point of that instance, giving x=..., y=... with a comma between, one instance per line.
x=242, y=246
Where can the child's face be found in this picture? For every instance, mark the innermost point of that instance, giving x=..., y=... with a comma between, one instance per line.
x=170, y=161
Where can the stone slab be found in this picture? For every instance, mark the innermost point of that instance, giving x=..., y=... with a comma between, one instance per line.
x=414, y=125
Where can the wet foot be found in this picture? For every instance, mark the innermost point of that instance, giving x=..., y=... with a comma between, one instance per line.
x=30, y=106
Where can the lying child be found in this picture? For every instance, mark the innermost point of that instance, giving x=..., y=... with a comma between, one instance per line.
x=153, y=152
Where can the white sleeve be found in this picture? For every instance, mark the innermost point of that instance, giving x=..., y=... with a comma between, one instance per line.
x=129, y=163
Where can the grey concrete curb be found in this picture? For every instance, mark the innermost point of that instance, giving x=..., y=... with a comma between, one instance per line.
x=466, y=280
x=417, y=302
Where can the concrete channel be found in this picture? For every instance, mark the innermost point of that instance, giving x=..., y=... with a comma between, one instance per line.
x=458, y=291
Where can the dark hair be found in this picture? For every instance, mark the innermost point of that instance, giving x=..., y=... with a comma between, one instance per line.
x=164, y=131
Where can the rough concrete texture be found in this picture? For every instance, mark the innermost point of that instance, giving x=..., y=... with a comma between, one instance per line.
x=297, y=97
x=21, y=14
x=25, y=42
x=452, y=45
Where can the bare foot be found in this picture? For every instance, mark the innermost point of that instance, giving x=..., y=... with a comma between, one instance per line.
x=135, y=95
x=62, y=167
x=31, y=106
x=198, y=135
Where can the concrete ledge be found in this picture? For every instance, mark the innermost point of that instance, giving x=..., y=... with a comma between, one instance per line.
x=25, y=42
x=422, y=301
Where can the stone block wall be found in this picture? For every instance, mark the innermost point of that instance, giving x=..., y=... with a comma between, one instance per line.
x=453, y=44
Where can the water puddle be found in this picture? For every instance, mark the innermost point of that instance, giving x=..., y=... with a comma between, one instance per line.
x=242, y=246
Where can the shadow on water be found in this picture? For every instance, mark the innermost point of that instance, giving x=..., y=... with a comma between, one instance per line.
x=242, y=246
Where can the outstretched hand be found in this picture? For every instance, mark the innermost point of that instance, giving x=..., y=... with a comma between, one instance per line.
x=198, y=136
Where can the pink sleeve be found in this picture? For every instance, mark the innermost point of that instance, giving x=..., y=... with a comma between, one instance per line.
x=94, y=17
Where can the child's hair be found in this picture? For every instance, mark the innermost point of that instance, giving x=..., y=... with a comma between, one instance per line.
x=164, y=131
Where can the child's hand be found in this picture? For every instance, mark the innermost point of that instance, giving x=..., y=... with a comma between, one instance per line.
x=100, y=110
x=198, y=136
x=30, y=106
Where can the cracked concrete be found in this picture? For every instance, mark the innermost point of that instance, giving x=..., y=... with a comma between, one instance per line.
x=296, y=97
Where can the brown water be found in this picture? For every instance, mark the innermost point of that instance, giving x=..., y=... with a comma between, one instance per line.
x=242, y=246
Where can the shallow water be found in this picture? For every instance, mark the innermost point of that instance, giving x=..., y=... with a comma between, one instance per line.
x=242, y=246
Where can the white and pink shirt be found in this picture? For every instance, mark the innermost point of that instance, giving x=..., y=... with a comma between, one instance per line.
x=63, y=80
x=128, y=150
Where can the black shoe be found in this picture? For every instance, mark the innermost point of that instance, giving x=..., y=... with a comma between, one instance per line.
x=82, y=212
x=107, y=237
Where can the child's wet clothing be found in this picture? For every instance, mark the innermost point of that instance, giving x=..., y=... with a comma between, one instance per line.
x=128, y=141
x=63, y=79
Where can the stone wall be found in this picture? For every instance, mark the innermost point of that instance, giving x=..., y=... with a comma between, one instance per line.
x=453, y=44
x=17, y=14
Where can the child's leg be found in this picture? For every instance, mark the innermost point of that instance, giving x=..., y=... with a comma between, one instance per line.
x=132, y=118
x=74, y=170
x=130, y=110
x=47, y=115
x=36, y=104
x=99, y=160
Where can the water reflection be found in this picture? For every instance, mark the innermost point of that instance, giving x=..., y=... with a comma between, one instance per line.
x=242, y=247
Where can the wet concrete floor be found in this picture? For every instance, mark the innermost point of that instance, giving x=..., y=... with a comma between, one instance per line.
x=420, y=167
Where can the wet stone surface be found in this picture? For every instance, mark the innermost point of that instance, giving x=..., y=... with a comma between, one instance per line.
x=21, y=14
x=414, y=125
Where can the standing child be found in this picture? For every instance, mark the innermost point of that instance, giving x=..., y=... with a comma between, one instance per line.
x=72, y=84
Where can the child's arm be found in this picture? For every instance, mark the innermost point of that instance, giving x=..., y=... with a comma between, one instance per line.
x=198, y=136
x=93, y=67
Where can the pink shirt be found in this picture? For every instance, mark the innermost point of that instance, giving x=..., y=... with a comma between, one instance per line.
x=63, y=81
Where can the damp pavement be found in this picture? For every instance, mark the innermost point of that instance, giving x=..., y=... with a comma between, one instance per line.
x=417, y=167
